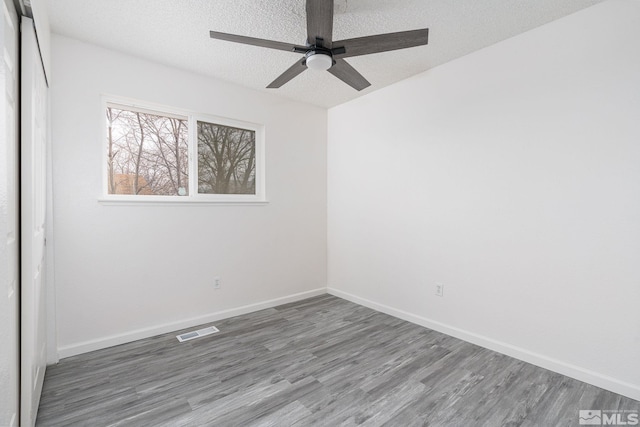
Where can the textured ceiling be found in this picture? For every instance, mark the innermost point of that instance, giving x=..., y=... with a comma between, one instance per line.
x=176, y=33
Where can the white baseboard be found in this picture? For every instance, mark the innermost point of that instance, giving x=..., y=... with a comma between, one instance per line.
x=110, y=341
x=603, y=381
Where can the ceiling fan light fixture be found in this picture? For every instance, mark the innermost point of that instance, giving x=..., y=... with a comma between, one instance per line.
x=319, y=61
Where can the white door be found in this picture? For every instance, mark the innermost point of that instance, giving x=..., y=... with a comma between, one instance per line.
x=9, y=231
x=33, y=206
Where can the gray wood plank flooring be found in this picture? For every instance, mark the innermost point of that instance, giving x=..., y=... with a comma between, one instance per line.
x=323, y=361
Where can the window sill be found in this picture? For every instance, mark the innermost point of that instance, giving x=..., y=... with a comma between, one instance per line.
x=117, y=201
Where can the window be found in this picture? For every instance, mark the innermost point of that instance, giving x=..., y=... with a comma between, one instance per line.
x=226, y=159
x=147, y=153
x=156, y=155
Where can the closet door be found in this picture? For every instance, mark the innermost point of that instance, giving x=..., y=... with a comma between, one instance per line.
x=33, y=207
x=9, y=211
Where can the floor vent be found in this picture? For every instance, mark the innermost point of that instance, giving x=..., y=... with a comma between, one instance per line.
x=197, y=334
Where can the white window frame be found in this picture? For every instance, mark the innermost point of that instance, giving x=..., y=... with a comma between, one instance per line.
x=192, y=118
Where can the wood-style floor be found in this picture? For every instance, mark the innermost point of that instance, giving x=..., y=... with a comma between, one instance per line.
x=319, y=362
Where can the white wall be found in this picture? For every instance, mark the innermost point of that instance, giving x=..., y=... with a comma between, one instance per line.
x=512, y=177
x=124, y=272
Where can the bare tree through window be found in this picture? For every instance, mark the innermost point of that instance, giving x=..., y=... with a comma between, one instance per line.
x=147, y=153
x=226, y=159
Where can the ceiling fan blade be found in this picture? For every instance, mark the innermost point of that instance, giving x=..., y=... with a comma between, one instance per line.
x=345, y=72
x=320, y=22
x=257, y=42
x=380, y=43
x=293, y=71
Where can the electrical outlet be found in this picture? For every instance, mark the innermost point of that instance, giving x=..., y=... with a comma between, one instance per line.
x=216, y=283
x=439, y=289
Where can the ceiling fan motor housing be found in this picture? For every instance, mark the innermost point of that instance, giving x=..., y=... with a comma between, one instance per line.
x=319, y=59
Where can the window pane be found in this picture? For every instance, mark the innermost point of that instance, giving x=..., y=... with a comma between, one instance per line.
x=226, y=159
x=147, y=153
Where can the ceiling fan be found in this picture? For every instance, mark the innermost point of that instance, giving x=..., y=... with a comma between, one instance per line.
x=322, y=53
